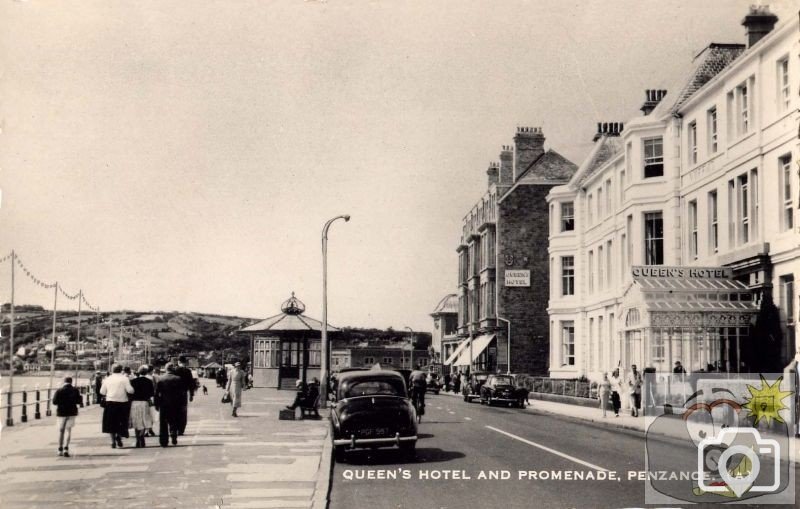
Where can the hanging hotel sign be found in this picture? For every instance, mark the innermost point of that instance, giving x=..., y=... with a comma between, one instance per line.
x=681, y=272
x=521, y=278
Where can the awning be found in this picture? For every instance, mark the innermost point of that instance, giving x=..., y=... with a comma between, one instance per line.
x=478, y=346
x=457, y=351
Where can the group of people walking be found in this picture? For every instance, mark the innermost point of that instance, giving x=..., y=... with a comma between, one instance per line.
x=132, y=402
x=611, y=388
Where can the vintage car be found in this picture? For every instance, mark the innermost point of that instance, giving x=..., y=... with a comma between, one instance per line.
x=499, y=389
x=472, y=389
x=372, y=410
x=434, y=383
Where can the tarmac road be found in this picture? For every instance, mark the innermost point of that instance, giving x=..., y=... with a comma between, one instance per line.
x=459, y=440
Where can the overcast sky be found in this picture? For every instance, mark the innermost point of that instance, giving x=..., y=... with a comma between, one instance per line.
x=185, y=155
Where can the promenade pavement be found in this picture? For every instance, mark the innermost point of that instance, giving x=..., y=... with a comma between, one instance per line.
x=253, y=461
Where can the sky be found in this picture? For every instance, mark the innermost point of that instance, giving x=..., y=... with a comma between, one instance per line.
x=185, y=155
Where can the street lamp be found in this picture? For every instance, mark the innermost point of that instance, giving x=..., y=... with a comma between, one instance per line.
x=412, y=345
x=323, y=372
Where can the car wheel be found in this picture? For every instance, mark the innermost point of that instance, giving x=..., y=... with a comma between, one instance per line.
x=339, y=453
x=489, y=401
x=409, y=450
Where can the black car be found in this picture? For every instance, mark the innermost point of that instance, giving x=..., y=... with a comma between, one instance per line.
x=372, y=410
x=472, y=389
x=499, y=389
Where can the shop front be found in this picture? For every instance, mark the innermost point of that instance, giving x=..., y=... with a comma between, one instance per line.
x=699, y=317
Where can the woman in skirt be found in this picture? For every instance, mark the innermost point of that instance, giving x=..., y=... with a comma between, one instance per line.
x=143, y=391
x=116, y=389
x=236, y=381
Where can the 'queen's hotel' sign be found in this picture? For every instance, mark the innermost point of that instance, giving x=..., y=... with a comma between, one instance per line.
x=682, y=272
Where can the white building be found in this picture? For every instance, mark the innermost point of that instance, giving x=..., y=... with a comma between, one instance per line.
x=707, y=177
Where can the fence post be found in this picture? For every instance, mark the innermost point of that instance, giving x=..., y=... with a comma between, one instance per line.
x=576, y=388
x=48, y=413
x=37, y=413
x=24, y=417
x=9, y=418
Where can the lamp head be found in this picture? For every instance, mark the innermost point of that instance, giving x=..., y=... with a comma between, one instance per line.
x=346, y=218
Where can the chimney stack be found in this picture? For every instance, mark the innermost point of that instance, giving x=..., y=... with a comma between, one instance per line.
x=758, y=23
x=529, y=145
x=607, y=129
x=493, y=173
x=507, y=165
x=652, y=98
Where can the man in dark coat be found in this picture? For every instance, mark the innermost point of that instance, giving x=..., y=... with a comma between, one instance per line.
x=185, y=374
x=66, y=400
x=170, y=398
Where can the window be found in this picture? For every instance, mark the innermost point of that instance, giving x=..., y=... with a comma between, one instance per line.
x=568, y=343
x=369, y=361
x=590, y=340
x=740, y=106
x=387, y=361
x=590, y=272
x=787, y=296
x=589, y=210
x=713, y=220
x=623, y=265
x=567, y=216
x=783, y=84
x=608, y=264
x=712, y=131
x=265, y=353
x=693, y=143
x=653, y=238
x=693, y=229
x=567, y=275
x=314, y=353
x=744, y=110
x=787, y=205
x=621, y=187
x=599, y=364
x=653, y=157
x=629, y=233
x=754, y=204
x=731, y=214
x=600, y=278
x=609, y=197
x=600, y=203
x=743, y=205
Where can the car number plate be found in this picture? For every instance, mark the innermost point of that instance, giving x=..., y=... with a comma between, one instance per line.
x=374, y=432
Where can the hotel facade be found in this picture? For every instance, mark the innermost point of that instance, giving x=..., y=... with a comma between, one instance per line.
x=677, y=239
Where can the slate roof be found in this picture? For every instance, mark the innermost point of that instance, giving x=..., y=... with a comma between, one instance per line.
x=707, y=64
x=285, y=322
x=609, y=147
x=449, y=304
x=549, y=166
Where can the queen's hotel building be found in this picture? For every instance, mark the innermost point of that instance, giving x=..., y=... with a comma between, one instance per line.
x=677, y=239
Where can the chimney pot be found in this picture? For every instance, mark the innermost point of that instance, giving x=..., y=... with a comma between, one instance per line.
x=758, y=23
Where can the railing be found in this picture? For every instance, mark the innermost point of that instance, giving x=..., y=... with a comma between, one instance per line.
x=575, y=388
x=21, y=402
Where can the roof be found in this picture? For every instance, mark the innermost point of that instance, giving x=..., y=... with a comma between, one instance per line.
x=710, y=294
x=448, y=304
x=707, y=64
x=608, y=147
x=550, y=166
x=284, y=322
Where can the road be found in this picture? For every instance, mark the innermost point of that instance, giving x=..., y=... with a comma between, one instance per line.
x=460, y=440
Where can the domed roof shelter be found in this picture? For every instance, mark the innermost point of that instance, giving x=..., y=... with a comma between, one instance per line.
x=286, y=346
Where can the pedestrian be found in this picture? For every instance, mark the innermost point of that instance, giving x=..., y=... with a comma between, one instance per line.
x=169, y=400
x=143, y=391
x=151, y=375
x=447, y=382
x=185, y=374
x=678, y=369
x=604, y=392
x=616, y=388
x=456, y=382
x=98, y=382
x=236, y=381
x=464, y=382
x=66, y=400
x=300, y=396
x=222, y=377
x=635, y=388
x=116, y=389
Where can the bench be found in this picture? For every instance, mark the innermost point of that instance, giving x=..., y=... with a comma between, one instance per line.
x=310, y=410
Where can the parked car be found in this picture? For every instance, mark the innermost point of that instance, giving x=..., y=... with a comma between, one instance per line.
x=499, y=389
x=372, y=410
x=472, y=389
x=434, y=383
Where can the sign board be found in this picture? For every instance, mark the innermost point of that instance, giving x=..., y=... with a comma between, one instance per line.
x=681, y=272
x=519, y=278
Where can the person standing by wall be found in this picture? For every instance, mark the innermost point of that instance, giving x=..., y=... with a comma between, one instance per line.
x=236, y=381
x=635, y=388
x=66, y=400
x=185, y=374
x=115, y=389
x=169, y=400
x=604, y=393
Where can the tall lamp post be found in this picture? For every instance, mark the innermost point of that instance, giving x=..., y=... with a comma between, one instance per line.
x=323, y=372
x=412, y=345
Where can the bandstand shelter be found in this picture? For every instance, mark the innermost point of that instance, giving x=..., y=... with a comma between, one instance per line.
x=700, y=316
x=286, y=347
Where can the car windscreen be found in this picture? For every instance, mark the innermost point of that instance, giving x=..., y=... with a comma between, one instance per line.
x=373, y=388
x=503, y=380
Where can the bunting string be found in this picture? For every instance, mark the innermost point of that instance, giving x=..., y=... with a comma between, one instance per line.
x=6, y=257
x=39, y=282
x=32, y=277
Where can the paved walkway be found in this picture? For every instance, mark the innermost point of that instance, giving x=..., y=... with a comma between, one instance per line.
x=254, y=461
